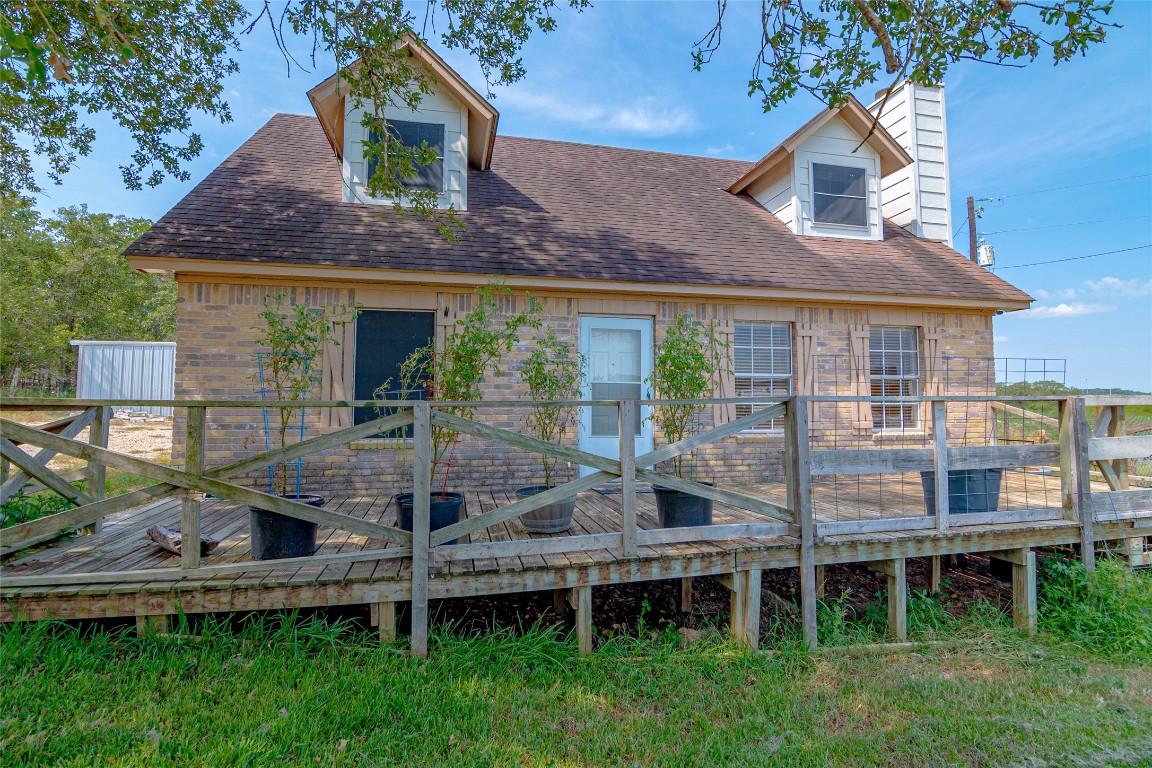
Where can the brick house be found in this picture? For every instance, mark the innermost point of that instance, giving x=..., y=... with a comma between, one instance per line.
x=826, y=264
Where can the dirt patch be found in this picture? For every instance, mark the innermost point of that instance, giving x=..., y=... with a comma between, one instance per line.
x=655, y=605
x=149, y=438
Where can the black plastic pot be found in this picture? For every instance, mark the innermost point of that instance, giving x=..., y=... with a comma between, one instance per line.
x=444, y=510
x=551, y=518
x=275, y=536
x=969, y=490
x=677, y=509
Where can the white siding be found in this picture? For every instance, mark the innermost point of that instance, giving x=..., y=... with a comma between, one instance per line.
x=437, y=107
x=126, y=370
x=836, y=144
x=775, y=194
x=917, y=198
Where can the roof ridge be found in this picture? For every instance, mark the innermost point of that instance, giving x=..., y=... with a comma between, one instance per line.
x=625, y=149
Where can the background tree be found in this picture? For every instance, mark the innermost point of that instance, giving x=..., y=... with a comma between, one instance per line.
x=64, y=278
x=151, y=63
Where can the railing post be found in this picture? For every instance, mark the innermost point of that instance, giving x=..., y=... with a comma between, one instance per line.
x=190, y=500
x=97, y=472
x=798, y=469
x=421, y=501
x=940, y=461
x=627, y=413
x=1075, y=487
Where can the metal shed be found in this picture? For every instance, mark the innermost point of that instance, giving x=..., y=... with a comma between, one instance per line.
x=126, y=370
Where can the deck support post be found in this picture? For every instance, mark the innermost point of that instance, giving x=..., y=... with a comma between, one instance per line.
x=560, y=602
x=798, y=469
x=161, y=624
x=744, y=624
x=421, y=511
x=935, y=573
x=897, y=572
x=1074, y=478
x=580, y=598
x=383, y=616
x=96, y=473
x=686, y=594
x=1023, y=563
x=190, y=500
x=820, y=582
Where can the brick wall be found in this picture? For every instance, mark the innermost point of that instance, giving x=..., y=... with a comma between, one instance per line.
x=217, y=328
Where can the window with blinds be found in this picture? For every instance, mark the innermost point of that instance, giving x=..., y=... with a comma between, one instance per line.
x=762, y=366
x=894, y=363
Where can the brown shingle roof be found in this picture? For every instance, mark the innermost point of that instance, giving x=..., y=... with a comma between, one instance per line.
x=545, y=209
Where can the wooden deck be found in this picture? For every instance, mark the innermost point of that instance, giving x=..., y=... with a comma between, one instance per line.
x=863, y=504
x=122, y=545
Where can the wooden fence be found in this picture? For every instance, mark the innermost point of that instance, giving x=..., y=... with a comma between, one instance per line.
x=795, y=521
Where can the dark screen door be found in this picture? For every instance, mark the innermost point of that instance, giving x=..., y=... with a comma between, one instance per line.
x=384, y=339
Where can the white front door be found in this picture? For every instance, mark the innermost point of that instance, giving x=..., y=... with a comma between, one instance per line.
x=618, y=352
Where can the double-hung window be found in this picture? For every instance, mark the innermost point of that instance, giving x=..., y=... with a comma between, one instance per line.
x=894, y=367
x=762, y=365
x=839, y=195
x=384, y=340
x=429, y=178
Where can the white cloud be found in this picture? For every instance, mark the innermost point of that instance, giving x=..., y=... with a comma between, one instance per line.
x=1124, y=289
x=1066, y=310
x=999, y=339
x=234, y=93
x=651, y=118
x=717, y=151
x=648, y=116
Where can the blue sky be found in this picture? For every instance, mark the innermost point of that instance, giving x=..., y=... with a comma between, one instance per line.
x=1064, y=153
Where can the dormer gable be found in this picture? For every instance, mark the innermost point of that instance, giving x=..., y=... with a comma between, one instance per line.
x=824, y=179
x=454, y=118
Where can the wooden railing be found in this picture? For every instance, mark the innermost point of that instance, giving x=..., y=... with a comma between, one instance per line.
x=795, y=519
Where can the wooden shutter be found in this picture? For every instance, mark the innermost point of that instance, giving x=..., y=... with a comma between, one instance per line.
x=933, y=363
x=805, y=374
x=859, y=341
x=722, y=413
x=335, y=375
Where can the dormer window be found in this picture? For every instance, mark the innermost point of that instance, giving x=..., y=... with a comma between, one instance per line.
x=428, y=178
x=839, y=195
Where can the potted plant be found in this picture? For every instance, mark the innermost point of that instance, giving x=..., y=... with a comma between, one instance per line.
x=552, y=371
x=688, y=359
x=454, y=372
x=294, y=336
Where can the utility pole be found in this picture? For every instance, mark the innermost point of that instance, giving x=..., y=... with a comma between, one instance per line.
x=972, y=228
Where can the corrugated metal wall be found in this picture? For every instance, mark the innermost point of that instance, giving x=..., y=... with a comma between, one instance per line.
x=126, y=370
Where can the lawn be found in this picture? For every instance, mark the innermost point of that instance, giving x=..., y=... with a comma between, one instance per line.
x=291, y=691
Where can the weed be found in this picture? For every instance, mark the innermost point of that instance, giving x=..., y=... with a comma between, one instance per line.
x=1108, y=612
x=23, y=507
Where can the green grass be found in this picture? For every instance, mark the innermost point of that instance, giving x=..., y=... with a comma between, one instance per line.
x=287, y=691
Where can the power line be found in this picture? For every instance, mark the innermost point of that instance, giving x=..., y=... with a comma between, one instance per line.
x=1076, y=258
x=1055, y=226
x=962, y=225
x=1072, y=186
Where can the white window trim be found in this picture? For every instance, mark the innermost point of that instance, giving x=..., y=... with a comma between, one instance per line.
x=867, y=225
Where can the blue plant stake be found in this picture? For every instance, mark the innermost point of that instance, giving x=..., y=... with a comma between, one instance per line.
x=273, y=394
